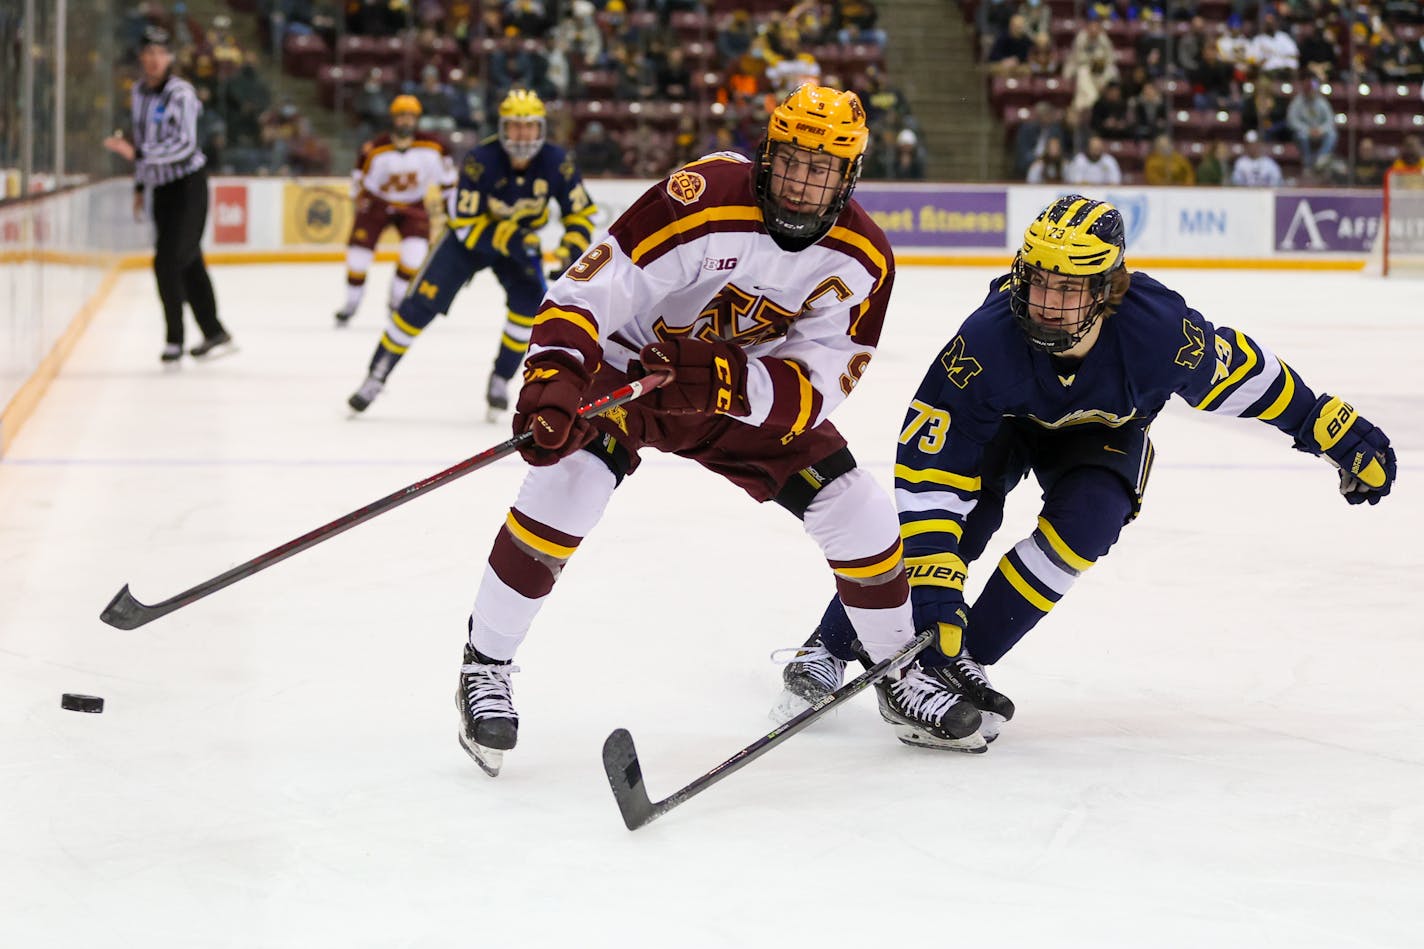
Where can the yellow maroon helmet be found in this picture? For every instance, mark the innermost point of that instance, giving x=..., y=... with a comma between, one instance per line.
x=521, y=107
x=820, y=120
x=405, y=105
x=1077, y=237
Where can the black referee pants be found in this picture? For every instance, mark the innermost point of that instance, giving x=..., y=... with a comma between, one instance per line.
x=180, y=210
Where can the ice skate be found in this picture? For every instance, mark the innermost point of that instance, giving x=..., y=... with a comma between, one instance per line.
x=496, y=397
x=214, y=346
x=365, y=395
x=966, y=676
x=344, y=316
x=927, y=711
x=172, y=353
x=489, y=725
x=811, y=674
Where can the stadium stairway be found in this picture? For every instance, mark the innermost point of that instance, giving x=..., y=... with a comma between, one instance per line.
x=932, y=47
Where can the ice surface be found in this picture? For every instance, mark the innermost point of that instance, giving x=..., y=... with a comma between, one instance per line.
x=1220, y=739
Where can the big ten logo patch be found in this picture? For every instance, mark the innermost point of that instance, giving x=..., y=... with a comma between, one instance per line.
x=230, y=214
x=686, y=187
x=315, y=214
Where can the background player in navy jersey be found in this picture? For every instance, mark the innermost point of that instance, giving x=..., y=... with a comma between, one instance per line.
x=761, y=287
x=1060, y=372
x=501, y=202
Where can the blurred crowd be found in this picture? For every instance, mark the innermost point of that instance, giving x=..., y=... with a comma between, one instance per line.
x=1208, y=91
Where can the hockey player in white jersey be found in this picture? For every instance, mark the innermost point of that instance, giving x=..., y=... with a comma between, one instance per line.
x=393, y=173
x=761, y=287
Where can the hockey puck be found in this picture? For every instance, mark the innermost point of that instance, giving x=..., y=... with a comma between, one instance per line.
x=81, y=703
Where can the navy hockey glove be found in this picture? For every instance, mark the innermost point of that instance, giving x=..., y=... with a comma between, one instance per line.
x=1360, y=450
x=707, y=377
x=554, y=387
x=937, y=598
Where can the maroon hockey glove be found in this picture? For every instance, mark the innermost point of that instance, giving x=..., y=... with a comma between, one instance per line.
x=554, y=387
x=707, y=378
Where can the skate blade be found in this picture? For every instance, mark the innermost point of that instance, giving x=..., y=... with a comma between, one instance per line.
x=492, y=415
x=490, y=760
x=970, y=744
x=990, y=724
x=218, y=352
x=789, y=705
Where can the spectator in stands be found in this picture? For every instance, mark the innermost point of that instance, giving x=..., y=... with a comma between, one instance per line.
x=1215, y=165
x=1094, y=166
x=1043, y=60
x=1312, y=123
x=883, y=102
x=909, y=161
x=468, y=108
x=374, y=17
x=1032, y=137
x=212, y=129
x=558, y=74
x=1148, y=113
x=1264, y=112
x=1109, y=117
x=1318, y=52
x=1274, y=50
x=1038, y=20
x=1152, y=43
x=1049, y=167
x=581, y=36
x=1091, y=45
x=635, y=80
x=1369, y=166
x=1089, y=85
x=992, y=20
x=1399, y=62
x=527, y=18
x=674, y=77
x=1188, y=48
x=1254, y=168
x=436, y=97
x=1213, y=82
x=1166, y=165
x=853, y=21
x=1409, y=159
x=1234, y=45
x=226, y=52
x=735, y=39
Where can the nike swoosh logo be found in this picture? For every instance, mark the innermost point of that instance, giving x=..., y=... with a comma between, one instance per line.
x=1115, y=451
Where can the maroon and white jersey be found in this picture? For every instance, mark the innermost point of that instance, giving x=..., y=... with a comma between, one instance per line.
x=403, y=175
x=692, y=257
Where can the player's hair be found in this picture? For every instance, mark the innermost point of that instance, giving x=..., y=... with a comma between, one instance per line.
x=1076, y=237
x=815, y=119
x=521, y=106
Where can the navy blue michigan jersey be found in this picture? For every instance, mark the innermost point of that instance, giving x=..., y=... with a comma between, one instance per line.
x=493, y=202
x=1152, y=347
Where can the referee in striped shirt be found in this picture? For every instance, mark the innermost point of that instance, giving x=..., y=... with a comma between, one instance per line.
x=168, y=161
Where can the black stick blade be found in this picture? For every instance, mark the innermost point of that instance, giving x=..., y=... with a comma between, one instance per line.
x=125, y=612
x=625, y=777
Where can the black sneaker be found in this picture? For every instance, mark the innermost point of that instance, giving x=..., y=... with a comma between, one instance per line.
x=210, y=344
x=926, y=710
x=968, y=677
x=489, y=725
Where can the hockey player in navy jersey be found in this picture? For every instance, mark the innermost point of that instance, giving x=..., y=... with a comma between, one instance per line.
x=1060, y=371
x=761, y=287
x=501, y=202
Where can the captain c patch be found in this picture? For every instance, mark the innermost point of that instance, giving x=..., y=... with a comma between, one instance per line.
x=686, y=186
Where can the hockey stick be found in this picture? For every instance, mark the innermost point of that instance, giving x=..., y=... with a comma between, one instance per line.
x=125, y=612
x=625, y=775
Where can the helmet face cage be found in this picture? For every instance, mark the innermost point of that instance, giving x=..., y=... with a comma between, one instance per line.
x=1085, y=303
x=802, y=191
x=521, y=149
